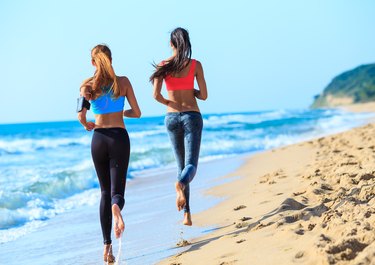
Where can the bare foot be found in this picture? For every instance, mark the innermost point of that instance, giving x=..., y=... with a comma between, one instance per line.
x=108, y=255
x=119, y=222
x=187, y=219
x=180, y=200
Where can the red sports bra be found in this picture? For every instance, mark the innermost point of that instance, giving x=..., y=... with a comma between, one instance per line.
x=182, y=83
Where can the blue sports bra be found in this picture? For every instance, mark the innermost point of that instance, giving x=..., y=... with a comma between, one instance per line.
x=107, y=104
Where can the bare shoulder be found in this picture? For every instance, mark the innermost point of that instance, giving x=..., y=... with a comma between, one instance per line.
x=124, y=83
x=198, y=67
x=123, y=80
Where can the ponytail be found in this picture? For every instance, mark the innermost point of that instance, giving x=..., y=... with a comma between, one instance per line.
x=105, y=75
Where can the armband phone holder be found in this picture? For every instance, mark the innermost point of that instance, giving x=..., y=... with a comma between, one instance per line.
x=82, y=103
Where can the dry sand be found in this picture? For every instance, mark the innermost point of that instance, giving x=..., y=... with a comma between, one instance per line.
x=308, y=203
x=363, y=107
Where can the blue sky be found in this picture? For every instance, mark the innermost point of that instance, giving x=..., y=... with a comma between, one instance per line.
x=257, y=55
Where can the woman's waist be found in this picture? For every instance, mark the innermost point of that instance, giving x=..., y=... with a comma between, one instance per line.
x=182, y=107
x=179, y=104
x=175, y=108
x=192, y=112
x=111, y=120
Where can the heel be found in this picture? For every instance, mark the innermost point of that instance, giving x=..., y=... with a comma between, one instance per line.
x=108, y=255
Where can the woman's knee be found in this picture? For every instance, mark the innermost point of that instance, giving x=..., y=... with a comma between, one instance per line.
x=188, y=173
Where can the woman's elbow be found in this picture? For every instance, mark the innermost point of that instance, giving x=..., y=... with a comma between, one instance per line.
x=204, y=97
x=156, y=95
x=137, y=114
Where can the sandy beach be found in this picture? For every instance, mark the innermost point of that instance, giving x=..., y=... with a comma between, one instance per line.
x=307, y=203
x=50, y=214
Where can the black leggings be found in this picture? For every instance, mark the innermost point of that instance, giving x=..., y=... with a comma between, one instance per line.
x=110, y=149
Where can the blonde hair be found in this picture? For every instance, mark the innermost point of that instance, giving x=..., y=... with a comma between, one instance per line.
x=104, y=75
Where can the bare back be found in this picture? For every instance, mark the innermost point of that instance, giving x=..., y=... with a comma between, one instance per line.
x=115, y=119
x=182, y=100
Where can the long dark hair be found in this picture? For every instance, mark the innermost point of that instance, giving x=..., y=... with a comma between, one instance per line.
x=181, y=41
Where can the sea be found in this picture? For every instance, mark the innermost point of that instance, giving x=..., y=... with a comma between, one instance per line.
x=46, y=171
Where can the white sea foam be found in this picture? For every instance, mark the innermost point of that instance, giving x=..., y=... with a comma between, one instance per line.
x=16, y=232
x=147, y=133
x=15, y=146
x=216, y=120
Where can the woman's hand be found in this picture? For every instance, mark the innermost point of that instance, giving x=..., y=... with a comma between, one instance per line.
x=196, y=93
x=89, y=126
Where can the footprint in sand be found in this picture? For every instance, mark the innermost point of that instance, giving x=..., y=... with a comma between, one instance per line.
x=299, y=254
x=239, y=207
x=228, y=262
x=242, y=224
x=300, y=231
x=311, y=227
x=298, y=193
x=271, y=182
x=346, y=250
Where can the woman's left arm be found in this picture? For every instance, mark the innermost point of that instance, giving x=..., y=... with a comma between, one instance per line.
x=134, y=111
x=202, y=92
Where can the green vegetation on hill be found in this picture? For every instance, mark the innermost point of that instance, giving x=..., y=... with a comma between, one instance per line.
x=354, y=86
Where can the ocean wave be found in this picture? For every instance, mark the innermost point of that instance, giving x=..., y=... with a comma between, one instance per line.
x=19, y=146
x=342, y=121
x=147, y=133
x=12, y=234
x=244, y=118
x=16, y=223
x=61, y=175
x=62, y=184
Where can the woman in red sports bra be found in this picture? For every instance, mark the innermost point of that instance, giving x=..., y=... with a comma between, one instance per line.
x=183, y=119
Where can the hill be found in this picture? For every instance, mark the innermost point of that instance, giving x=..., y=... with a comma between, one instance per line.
x=354, y=86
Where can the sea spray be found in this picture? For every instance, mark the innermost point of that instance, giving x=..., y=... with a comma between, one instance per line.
x=117, y=262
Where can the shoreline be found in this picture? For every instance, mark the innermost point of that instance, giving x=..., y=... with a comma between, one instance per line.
x=294, y=204
x=74, y=237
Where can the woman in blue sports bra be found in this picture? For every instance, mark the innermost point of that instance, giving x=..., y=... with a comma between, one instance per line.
x=110, y=146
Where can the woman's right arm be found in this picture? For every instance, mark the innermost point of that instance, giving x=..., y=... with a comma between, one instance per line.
x=134, y=111
x=84, y=92
x=158, y=82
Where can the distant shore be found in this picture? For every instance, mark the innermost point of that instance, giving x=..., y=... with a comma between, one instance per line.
x=307, y=203
x=362, y=107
